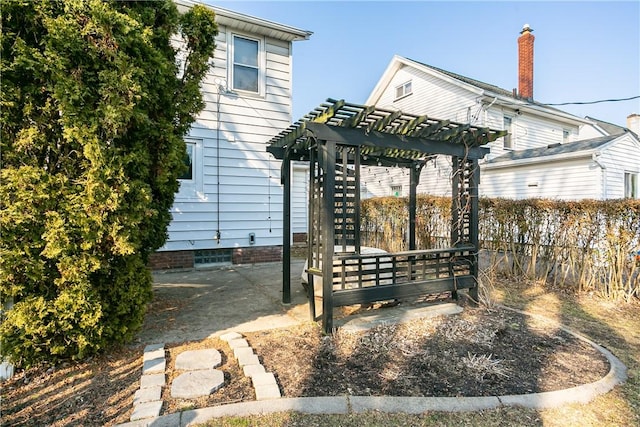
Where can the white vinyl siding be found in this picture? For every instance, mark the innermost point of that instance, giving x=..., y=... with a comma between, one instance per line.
x=431, y=96
x=620, y=157
x=240, y=182
x=564, y=180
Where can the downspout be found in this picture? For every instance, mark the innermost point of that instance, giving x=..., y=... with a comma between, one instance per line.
x=218, y=234
x=596, y=159
x=486, y=110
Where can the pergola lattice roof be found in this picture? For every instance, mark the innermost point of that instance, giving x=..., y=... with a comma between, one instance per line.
x=385, y=135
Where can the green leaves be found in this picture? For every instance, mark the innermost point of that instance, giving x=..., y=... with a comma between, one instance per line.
x=93, y=118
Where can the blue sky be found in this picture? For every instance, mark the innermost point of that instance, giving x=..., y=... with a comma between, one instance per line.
x=584, y=50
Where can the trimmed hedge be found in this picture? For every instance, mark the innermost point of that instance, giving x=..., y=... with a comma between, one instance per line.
x=586, y=245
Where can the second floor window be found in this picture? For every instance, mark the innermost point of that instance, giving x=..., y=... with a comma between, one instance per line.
x=403, y=90
x=508, y=138
x=246, y=71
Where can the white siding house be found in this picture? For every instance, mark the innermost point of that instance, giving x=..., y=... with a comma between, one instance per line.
x=229, y=206
x=522, y=164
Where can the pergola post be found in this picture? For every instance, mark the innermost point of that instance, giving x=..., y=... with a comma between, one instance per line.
x=414, y=179
x=286, y=231
x=474, y=182
x=327, y=151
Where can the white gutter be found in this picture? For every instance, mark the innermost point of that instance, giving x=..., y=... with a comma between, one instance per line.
x=230, y=18
x=539, y=159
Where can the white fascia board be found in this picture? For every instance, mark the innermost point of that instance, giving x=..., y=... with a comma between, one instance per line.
x=539, y=159
x=229, y=18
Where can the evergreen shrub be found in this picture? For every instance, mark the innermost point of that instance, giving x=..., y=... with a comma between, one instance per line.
x=94, y=111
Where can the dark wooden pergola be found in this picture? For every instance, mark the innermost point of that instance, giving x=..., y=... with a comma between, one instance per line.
x=338, y=138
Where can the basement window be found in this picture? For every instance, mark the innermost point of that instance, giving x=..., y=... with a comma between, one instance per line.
x=403, y=90
x=212, y=256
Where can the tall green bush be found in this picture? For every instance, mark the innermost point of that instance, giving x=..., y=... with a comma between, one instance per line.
x=94, y=110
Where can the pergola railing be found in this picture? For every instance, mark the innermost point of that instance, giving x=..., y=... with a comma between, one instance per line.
x=337, y=139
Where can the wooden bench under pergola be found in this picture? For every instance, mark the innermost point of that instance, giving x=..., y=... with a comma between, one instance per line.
x=338, y=138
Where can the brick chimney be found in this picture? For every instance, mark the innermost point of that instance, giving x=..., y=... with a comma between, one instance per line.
x=525, y=63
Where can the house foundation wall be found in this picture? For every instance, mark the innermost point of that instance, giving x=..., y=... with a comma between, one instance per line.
x=171, y=259
x=299, y=237
x=187, y=259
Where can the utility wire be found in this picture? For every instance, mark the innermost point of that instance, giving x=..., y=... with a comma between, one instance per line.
x=596, y=102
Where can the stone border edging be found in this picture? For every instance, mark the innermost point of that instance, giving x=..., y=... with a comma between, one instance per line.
x=580, y=394
x=410, y=405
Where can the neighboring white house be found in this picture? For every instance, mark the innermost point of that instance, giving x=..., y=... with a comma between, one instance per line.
x=546, y=153
x=599, y=168
x=229, y=206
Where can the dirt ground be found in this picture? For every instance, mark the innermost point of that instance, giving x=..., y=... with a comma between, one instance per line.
x=479, y=352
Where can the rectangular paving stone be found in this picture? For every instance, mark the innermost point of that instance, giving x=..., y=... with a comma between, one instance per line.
x=153, y=347
x=154, y=366
x=249, y=359
x=146, y=410
x=148, y=394
x=266, y=392
x=155, y=354
x=238, y=343
x=230, y=336
x=251, y=370
x=151, y=380
x=264, y=379
x=242, y=351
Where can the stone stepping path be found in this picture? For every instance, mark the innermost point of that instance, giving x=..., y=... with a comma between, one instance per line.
x=264, y=383
x=147, y=401
x=200, y=376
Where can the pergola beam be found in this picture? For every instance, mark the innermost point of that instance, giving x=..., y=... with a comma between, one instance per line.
x=389, y=142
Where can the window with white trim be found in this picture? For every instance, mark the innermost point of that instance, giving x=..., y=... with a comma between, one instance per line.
x=631, y=185
x=191, y=181
x=403, y=90
x=189, y=156
x=507, y=140
x=246, y=64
